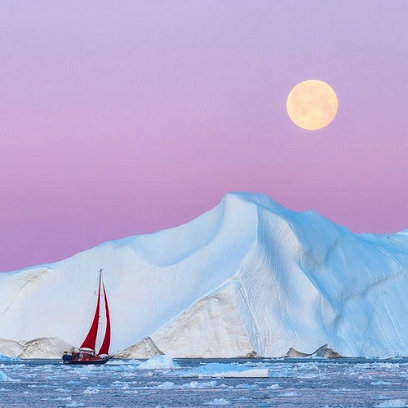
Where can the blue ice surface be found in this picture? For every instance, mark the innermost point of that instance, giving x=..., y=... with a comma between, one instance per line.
x=7, y=358
x=291, y=383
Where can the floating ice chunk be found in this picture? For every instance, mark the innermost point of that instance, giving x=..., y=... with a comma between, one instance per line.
x=5, y=378
x=340, y=390
x=273, y=387
x=218, y=401
x=204, y=384
x=75, y=404
x=166, y=385
x=158, y=363
x=221, y=370
x=289, y=394
x=247, y=386
x=251, y=373
x=382, y=383
x=119, y=362
x=397, y=403
x=91, y=390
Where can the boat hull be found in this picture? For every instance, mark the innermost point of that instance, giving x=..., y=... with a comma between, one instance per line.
x=82, y=362
x=84, y=358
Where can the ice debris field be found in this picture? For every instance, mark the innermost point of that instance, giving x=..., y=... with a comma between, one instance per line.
x=249, y=277
x=162, y=382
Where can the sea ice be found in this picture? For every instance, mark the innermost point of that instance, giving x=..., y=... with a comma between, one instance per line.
x=4, y=377
x=91, y=390
x=223, y=370
x=289, y=394
x=218, y=401
x=396, y=403
x=166, y=385
x=247, y=386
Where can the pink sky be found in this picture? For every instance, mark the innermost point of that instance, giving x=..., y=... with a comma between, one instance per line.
x=120, y=118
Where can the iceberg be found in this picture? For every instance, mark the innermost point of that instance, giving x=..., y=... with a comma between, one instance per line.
x=40, y=348
x=11, y=348
x=158, y=363
x=144, y=348
x=324, y=352
x=247, y=278
x=223, y=370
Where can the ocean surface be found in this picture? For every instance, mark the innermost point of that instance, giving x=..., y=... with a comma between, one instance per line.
x=200, y=383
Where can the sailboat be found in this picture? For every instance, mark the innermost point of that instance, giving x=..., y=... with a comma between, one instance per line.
x=87, y=354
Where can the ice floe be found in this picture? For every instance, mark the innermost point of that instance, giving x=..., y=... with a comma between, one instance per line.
x=158, y=363
x=225, y=370
x=395, y=403
x=218, y=401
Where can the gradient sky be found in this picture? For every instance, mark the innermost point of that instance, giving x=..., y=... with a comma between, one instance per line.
x=126, y=117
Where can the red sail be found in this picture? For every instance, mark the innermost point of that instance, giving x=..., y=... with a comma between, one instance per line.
x=106, y=340
x=90, y=339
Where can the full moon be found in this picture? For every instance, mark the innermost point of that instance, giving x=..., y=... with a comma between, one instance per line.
x=312, y=104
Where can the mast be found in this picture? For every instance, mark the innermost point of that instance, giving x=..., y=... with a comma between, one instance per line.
x=90, y=339
x=106, y=340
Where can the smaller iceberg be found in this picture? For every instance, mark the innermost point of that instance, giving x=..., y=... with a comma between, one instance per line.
x=222, y=370
x=158, y=363
x=325, y=352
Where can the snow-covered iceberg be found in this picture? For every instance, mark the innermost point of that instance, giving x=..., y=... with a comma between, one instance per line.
x=45, y=347
x=248, y=276
x=11, y=348
x=40, y=348
x=144, y=348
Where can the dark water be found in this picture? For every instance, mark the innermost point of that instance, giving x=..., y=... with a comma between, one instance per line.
x=196, y=383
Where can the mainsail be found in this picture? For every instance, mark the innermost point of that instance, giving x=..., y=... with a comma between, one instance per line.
x=106, y=340
x=90, y=340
